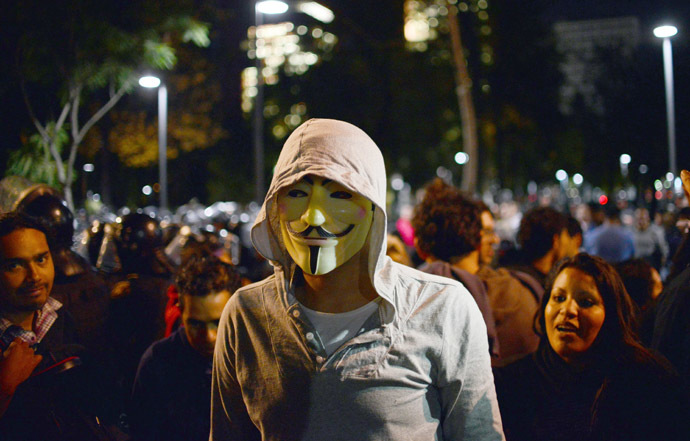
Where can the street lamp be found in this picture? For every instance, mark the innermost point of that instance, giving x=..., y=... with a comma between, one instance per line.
x=624, y=161
x=152, y=82
x=261, y=7
x=666, y=32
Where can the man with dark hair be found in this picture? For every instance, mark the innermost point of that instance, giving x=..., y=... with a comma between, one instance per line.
x=489, y=239
x=513, y=296
x=574, y=240
x=447, y=230
x=36, y=340
x=171, y=397
x=611, y=240
x=26, y=279
x=543, y=238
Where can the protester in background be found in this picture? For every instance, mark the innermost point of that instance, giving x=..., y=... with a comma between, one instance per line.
x=513, y=295
x=138, y=299
x=489, y=239
x=395, y=249
x=611, y=241
x=543, y=239
x=642, y=282
x=43, y=395
x=171, y=397
x=574, y=240
x=671, y=330
x=447, y=236
x=591, y=378
x=650, y=243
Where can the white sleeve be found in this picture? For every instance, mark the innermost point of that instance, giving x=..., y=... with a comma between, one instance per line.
x=466, y=384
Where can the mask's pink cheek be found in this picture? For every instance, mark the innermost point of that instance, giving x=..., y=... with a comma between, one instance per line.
x=362, y=213
x=282, y=208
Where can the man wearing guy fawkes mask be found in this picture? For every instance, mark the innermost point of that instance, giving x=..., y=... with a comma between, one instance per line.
x=341, y=343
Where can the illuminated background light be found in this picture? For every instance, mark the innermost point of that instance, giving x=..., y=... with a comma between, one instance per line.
x=317, y=11
x=271, y=7
x=149, y=81
x=665, y=31
x=462, y=158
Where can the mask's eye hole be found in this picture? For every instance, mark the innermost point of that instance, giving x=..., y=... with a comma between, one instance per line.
x=295, y=193
x=341, y=195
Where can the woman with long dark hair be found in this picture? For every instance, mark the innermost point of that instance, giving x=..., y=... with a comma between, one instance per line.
x=590, y=379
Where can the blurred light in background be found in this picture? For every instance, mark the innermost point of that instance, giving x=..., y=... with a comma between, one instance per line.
x=88, y=168
x=149, y=81
x=578, y=179
x=665, y=31
x=317, y=11
x=147, y=190
x=397, y=182
x=462, y=158
x=561, y=175
x=271, y=7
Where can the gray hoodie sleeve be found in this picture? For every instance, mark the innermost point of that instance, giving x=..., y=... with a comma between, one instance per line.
x=229, y=417
x=468, y=396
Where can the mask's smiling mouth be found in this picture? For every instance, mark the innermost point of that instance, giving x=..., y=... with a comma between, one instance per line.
x=322, y=233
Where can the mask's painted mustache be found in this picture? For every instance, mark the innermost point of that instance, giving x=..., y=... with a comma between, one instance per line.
x=320, y=231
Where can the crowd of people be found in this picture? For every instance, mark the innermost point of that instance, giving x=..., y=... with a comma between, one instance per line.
x=333, y=327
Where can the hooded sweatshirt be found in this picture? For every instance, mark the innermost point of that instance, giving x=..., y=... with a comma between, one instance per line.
x=418, y=369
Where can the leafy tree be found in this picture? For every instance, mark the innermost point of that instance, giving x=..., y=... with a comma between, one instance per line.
x=77, y=59
x=134, y=135
x=33, y=160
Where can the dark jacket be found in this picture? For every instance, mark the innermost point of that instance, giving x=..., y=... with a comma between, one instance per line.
x=671, y=329
x=171, y=398
x=543, y=398
x=56, y=403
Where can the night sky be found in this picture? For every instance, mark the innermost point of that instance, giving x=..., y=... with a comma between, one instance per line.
x=369, y=20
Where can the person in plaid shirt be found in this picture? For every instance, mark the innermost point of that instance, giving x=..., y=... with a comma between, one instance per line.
x=37, y=340
x=26, y=278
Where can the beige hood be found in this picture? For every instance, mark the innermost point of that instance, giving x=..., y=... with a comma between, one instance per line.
x=335, y=150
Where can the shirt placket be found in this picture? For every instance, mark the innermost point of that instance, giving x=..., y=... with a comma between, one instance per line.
x=309, y=335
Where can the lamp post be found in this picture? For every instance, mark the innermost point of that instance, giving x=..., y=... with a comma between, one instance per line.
x=152, y=83
x=666, y=32
x=624, y=160
x=261, y=8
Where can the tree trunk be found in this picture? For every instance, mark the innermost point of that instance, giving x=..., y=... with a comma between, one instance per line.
x=467, y=114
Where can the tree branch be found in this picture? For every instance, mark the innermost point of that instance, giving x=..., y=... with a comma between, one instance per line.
x=41, y=130
x=102, y=111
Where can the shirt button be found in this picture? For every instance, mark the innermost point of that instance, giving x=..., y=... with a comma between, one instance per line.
x=310, y=336
x=295, y=313
x=319, y=359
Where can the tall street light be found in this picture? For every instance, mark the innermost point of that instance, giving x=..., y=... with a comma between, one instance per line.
x=666, y=32
x=261, y=8
x=153, y=82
